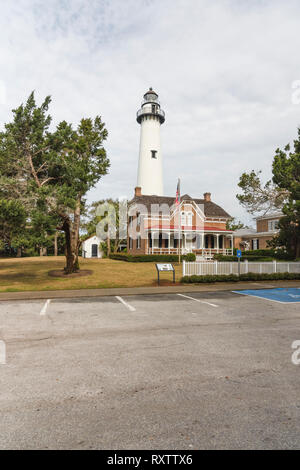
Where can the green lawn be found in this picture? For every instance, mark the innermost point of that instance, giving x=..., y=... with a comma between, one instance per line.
x=31, y=274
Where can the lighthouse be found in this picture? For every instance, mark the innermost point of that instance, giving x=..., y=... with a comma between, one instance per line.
x=150, y=116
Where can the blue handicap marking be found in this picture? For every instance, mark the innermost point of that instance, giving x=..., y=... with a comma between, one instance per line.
x=239, y=253
x=283, y=295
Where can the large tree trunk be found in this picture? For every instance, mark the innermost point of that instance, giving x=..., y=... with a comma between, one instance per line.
x=43, y=251
x=117, y=243
x=55, y=244
x=297, y=247
x=108, y=243
x=71, y=230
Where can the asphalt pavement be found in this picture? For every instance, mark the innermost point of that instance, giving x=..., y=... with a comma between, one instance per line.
x=190, y=370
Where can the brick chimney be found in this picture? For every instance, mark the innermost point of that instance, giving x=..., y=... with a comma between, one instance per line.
x=138, y=191
x=207, y=197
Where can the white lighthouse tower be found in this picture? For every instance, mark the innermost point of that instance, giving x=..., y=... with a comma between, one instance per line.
x=150, y=116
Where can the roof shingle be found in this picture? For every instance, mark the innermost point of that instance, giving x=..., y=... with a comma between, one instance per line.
x=210, y=208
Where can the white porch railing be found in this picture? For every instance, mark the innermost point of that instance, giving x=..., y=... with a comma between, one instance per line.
x=163, y=251
x=202, y=268
x=206, y=253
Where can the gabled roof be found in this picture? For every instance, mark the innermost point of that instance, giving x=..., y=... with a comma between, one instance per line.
x=187, y=228
x=86, y=237
x=210, y=208
x=271, y=215
x=242, y=232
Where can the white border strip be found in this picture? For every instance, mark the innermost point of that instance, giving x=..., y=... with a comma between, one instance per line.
x=44, y=309
x=132, y=309
x=198, y=300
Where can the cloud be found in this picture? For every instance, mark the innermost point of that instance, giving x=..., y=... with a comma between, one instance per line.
x=224, y=72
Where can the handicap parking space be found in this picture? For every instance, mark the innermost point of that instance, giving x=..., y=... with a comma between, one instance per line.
x=282, y=295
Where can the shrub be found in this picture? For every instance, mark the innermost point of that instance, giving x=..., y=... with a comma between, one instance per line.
x=190, y=257
x=195, y=279
x=257, y=255
x=151, y=258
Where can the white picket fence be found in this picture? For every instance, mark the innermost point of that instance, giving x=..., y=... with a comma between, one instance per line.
x=202, y=268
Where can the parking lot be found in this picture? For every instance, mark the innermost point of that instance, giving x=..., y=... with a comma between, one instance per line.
x=173, y=371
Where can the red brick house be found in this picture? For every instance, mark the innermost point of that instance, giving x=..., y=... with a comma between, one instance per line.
x=155, y=225
x=266, y=229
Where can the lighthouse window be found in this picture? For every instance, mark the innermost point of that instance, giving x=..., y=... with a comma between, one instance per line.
x=154, y=153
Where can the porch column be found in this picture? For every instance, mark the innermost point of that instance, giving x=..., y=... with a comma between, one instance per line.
x=202, y=241
x=232, y=244
x=217, y=236
x=169, y=241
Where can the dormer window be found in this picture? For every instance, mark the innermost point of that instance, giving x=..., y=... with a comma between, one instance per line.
x=186, y=218
x=154, y=153
x=183, y=218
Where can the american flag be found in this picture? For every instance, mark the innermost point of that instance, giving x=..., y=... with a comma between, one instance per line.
x=177, y=202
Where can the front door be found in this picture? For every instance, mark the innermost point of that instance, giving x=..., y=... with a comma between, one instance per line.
x=94, y=251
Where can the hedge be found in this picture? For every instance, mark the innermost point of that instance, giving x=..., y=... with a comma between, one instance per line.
x=151, y=258
x=257, y=255
x=243, y=277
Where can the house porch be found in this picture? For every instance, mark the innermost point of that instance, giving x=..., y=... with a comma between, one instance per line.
x=202, y=244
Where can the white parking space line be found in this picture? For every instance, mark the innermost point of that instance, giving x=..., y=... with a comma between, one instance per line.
x=198, y=300
x=44, y=309
x=132, y=309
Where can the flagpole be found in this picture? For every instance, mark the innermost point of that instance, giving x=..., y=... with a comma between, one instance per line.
x=179, y=238
x=179, y=197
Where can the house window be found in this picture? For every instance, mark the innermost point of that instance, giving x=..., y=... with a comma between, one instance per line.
x=221, y=241
x=150, y=240
x=138, y=219
x=255, y=244
x=154, y=153
x=160, y=241
x=138, y=242
x=273, y=225
x=189, y=219
x=206, y=241
x=130, y=219
x=183, y=218
x=130, y=243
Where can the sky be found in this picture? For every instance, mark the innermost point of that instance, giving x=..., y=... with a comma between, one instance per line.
x=226, y=72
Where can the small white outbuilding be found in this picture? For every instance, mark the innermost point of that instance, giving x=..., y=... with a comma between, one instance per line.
x=91, y=247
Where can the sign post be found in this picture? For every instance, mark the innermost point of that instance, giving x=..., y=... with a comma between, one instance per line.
x=239, y=255
x=160, y=267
